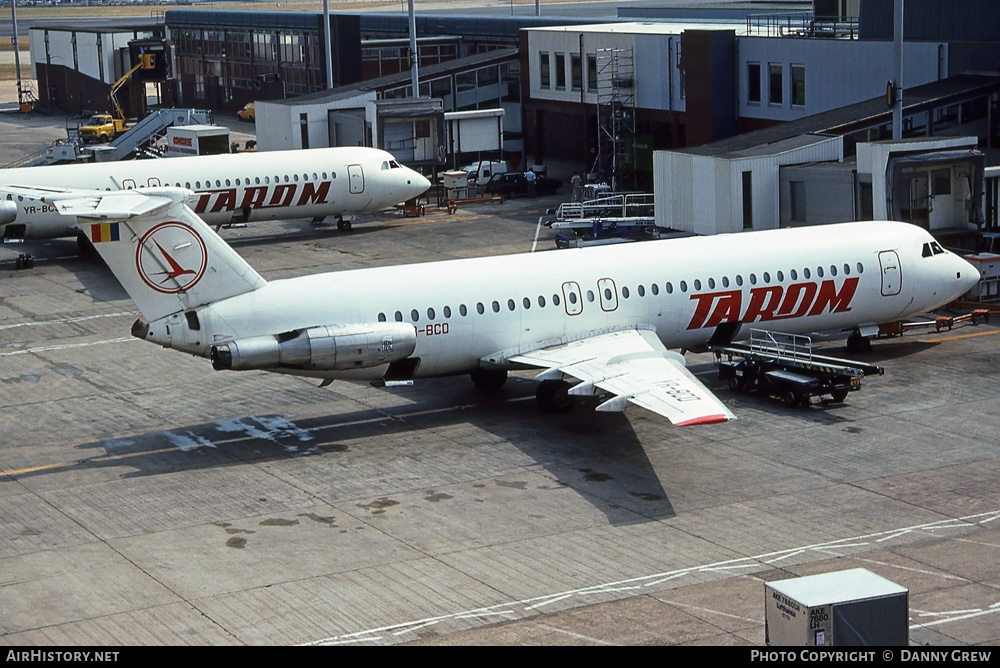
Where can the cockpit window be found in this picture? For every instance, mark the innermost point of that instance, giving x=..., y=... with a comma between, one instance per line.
x=932, y=248
x=393, y=164
x=385, y=165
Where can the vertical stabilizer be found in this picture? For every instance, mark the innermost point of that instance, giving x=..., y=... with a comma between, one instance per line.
x=165, y=256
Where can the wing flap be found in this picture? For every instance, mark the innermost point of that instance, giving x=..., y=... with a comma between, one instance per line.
x=635, y=367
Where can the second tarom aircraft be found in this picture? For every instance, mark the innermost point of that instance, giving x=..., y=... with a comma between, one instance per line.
x=231, y=188
x=596, y=321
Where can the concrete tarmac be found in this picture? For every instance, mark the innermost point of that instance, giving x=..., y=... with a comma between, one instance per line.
x=149, y=500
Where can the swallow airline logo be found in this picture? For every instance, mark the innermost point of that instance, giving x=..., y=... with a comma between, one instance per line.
x=171, y=258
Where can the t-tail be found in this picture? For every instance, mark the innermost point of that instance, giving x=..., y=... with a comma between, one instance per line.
x=165, y=256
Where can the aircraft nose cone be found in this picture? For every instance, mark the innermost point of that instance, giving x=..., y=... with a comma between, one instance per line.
x=416, y=184
x=966, y=273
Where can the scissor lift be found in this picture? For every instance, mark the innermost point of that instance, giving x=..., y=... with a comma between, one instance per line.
x=785, y=366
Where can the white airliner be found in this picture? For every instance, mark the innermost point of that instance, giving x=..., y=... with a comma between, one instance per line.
x=605, y=316
x=230, y=188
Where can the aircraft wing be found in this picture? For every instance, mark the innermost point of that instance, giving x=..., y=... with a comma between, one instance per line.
x=634, y=366
x=113, y=204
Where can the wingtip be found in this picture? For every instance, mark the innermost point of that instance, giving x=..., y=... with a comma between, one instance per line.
x=706, y=419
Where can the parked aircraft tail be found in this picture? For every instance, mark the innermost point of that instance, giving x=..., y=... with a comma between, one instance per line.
x=164, y=255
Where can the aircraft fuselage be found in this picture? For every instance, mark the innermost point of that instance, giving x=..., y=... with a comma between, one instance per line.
x=229, y=188
x=827, y=278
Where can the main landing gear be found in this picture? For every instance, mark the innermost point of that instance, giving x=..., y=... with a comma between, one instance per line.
x=856, y=343
x=553, y=396
x=343, y=225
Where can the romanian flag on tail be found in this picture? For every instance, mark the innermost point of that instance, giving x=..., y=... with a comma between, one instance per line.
x=104, y=232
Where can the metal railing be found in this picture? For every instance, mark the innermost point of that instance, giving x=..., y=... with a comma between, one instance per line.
x=621, y=205
x=802, y=24
x=782, y=346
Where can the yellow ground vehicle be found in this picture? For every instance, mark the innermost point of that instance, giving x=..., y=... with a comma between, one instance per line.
x=105, y=127
x=247, y=112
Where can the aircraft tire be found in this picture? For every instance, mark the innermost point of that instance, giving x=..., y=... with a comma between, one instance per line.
x=488, y=379
x=343, y=225
x=858, y=344
x=553, y=396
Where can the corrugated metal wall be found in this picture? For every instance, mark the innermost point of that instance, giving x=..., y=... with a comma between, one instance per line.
x=955, y=20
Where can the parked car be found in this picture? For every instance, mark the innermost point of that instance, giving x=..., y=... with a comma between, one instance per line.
x=513, y=184
x=247, y=112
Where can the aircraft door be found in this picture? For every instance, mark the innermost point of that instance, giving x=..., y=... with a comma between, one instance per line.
x=892, y=274
x=153, y=182
x=572, y=298
x=128, y=184
x=356, y=179
x=609, y=294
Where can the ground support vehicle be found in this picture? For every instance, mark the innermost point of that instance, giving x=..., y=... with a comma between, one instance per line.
x=784, y=365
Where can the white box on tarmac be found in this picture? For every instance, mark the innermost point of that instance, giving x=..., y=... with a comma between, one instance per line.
x=844, y=608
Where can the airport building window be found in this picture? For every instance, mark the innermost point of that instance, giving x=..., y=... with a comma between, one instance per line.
x=753, y=83
x=576, y=71
x=798, y=85
x=544, y=79
x=775, y=87
x=560, y=71
x=591, y=72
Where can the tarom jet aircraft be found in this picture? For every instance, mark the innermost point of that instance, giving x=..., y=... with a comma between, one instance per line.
x=230, y=188
x=605, y=316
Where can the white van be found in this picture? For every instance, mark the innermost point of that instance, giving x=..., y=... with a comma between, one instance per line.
x=482, y=171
